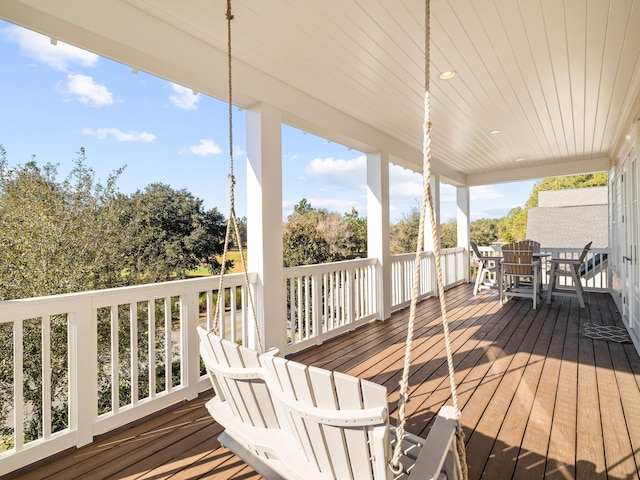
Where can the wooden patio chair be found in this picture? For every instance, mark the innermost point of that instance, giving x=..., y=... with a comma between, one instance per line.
x=520, y=271
x=487, y=265
x=291, y=421
x=573, y=268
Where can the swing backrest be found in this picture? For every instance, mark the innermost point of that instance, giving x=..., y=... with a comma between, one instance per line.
x=341, y=422
x=288, y=420
x=236, y=376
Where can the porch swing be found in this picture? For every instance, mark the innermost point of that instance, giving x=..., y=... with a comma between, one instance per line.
x=291, y=421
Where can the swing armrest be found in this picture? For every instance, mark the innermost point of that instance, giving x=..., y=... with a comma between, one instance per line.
x=439, y=450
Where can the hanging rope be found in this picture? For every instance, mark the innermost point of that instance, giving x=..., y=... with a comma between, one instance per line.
x=427, y=201
x=220, y=304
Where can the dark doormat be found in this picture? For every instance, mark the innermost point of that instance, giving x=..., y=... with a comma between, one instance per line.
x=607, y=332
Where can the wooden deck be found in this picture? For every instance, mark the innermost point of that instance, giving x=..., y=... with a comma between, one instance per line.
x=539, y=399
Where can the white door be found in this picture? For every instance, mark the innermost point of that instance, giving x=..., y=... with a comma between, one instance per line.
x=630, y=265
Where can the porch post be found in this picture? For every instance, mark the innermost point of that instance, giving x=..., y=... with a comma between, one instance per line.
x=463, y=222
x=264, y=221
x=378, y=226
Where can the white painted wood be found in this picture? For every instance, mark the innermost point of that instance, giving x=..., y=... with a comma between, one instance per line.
x=133, y=352
x=264, y=220
x=343, y=420
x=558, y=78
x=151, y=345
x=333, y=296
x=46, y=377
x=83, y=365
x=430, y=460
x=168, y=330
x=115, y=359
x=18, y=382
x=378, y=227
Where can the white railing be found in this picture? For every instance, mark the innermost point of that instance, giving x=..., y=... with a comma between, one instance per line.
x=594, y=270
x=454, y=271
x=594, y=273
x=83, y=364
x=328, y=299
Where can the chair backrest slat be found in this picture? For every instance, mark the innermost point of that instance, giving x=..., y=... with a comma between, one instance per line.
x=475, y=249
x=249, y=398
x=518, y=257
x=334, y=417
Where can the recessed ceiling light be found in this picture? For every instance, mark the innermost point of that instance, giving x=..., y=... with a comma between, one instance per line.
x=519, y=159
x=495, y=132
x=447, y=75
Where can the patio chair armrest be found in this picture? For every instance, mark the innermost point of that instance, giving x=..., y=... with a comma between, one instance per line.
x=566, y=261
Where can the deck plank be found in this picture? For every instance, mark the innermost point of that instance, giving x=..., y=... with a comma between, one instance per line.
x=536, y=438
x=538, y=399
x=526, y=379
x=590, y=460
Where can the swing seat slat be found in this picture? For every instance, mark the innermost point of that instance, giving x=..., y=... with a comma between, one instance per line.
x=287, y=420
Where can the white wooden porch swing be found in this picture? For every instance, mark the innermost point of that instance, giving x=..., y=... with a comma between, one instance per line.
x=291, y=421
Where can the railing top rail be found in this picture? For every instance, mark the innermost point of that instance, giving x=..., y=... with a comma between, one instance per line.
x=175, y=287
x=328, y=267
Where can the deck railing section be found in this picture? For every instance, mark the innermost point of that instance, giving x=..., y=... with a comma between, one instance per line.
x=594, y=273
x=454, y=265
x=85, y=363
x=329, y=299
x=594, y=270
x=82, y=364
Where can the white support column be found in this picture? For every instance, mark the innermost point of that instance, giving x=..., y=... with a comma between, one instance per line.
x=378, y=226
x=428, y=236
x=264, y=221
x=463, y=222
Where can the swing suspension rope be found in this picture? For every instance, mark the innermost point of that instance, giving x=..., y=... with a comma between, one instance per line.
x=220, y=304
x=427, y=202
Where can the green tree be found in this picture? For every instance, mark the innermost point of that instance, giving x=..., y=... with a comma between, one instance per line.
x=170, y=233
x=484, y=231
x=404, y=233
x=312, y=235
x=303, y=242
x=55, y=237
x=358, y=226
x=242, y=229
x=76, y=235
x=338, y=235
x=449, y=234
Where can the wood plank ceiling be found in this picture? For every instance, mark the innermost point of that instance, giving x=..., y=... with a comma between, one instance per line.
x=559, y=79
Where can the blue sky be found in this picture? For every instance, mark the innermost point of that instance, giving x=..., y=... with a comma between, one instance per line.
x=56, y=99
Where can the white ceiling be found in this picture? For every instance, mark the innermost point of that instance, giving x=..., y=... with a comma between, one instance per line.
x=560, y=79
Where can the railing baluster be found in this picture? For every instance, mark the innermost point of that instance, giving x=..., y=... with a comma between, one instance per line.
x=46, y=377
x=18, y=382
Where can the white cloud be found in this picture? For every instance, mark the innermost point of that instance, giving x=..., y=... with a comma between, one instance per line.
x=205, y=148
x=183, y=97
x=347, y=173
x=86, y=90
x=38, y=47
x=484, y=192
x=119, y=135
x=405, y=184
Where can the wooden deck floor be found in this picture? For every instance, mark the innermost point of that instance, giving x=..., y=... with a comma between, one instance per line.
x=539, y=399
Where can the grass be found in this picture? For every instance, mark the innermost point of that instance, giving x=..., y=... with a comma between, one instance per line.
x=231, y=255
